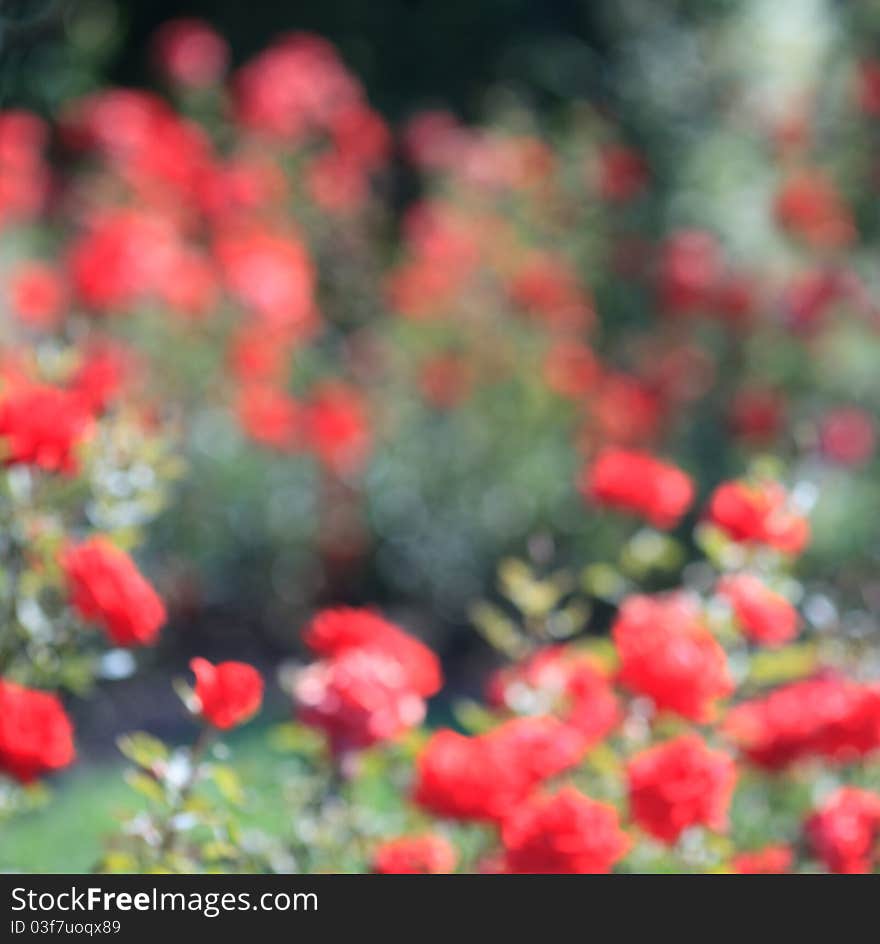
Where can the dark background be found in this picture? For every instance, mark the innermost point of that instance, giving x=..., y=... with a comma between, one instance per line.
x=409, y=53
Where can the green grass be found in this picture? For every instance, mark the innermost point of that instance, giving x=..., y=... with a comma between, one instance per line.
x=65, y=834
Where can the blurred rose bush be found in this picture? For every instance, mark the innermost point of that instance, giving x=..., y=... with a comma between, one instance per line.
x=215, y=326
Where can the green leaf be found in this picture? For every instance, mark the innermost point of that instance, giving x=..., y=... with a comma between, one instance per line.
x=145, y=785
x=143, y=749
x=500, y=632
x=473, y=717
x=293, y=738
x=774, y=666
x=228, y=784
x=217, y=851
x=604, y=582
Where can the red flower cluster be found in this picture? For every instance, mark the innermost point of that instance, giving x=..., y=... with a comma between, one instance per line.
x=190, y=53
x=435, y=141
x=37, y=295
x=372, y=683
x=845, y=829
x=623, y=174
x=566, y=833
x=690, y=268
x=809, y=206
x=270, y=416
x=444, y=252
x=338, y=428
x=228, y=694
x=24, y=177
x=272, y=275
x=105, y=587
x=558, y=681
x=668, y=654
x=547, y=289
x=623, y=410
x=193, y=221
x=679, y=784
x=295, y=86
x=764, y=616
x=42, y=426
x=358, y=699
x=825, y=717
x=847, y=436
x=811, y=296
x=36, y=735
x=299, y=89
x=488, y=776
x=757, y=415
x=122, y=259
x=639, y=483
x=104, y=371
x=571, y=369
x=428, y=854
x=758, y=514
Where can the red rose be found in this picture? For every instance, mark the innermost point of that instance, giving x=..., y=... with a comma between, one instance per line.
x=270, y=416
x=24, y=176
x=457, y=778
x=563, y=834
x=844, y=830
x=847, y=436
x=811, y=296
x=868, y=87
x=429, y=854
x=763, y=616
x=105, y=587
x=372, y=684
x=547, y=288
x=228, y=693
x=258, y=356
x=771, y=860
x=486, y=777
x=808, y=205
x=623, y=410
x=42, y=426
x=690, y=268
x=540, y=747
x=297, y=84
x=623, y=174
x=188, y=51
x=679, y=784
x=338, y=428
x=102, y=375
x=828, y=717
x=757, y=415
x=758, y=514
x=272, y=276
x=558, y=681
x=121, y=259
x=341, y=629
x=639, y=483
x=38, y=295
x=36, y=735
x=359, y=698
x=668, y=654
